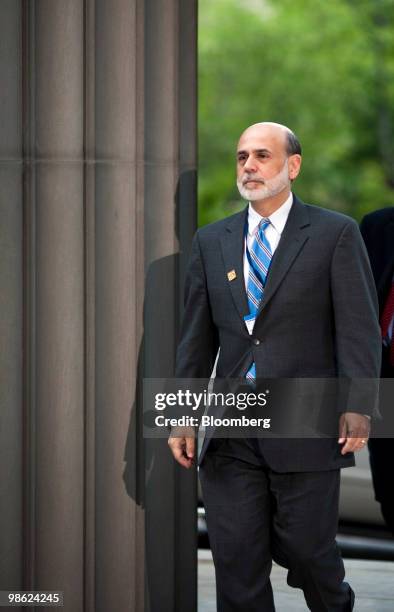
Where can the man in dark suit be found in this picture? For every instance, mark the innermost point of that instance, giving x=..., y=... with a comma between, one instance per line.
x=285, y=290
x=377, y=229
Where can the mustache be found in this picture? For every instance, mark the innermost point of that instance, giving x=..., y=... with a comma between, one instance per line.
x=250, y=179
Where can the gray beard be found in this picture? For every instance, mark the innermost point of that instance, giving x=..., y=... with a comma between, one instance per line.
x=270, y=188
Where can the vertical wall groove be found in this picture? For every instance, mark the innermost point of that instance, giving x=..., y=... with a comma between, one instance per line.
x=29, y=332
x=11, y=298
x=89, y=365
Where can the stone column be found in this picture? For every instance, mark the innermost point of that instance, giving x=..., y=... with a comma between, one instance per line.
x=118, y=288
x=54, y=205
x=97, y=199
x=11, y=298
x=170, y=220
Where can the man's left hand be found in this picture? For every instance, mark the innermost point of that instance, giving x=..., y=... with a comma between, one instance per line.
x=354, y=431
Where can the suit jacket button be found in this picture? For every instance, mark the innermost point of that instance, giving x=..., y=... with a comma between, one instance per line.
x=256, y=341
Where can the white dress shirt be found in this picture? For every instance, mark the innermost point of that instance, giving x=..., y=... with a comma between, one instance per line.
x=273, y=232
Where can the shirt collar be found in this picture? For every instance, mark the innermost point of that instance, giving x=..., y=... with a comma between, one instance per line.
x=278, y=218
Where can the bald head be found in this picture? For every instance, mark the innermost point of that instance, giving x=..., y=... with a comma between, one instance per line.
x=280, y=133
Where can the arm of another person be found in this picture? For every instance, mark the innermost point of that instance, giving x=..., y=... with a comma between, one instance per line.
x=357, y=335
x=197, y=348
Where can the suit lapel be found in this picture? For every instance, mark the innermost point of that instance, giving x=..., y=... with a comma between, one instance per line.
x=291, y=242
x=232, y=243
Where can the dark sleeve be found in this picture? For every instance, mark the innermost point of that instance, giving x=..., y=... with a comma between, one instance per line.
x=357, y=332
x=365, y=229
x=198, y=344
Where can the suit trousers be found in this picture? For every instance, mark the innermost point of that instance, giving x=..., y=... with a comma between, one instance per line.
x=255, y=515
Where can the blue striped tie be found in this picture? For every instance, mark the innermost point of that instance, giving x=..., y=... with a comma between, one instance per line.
x=260, y=256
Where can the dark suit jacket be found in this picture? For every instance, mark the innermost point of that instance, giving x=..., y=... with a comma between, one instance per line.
x=377, y=229
x=318, y=318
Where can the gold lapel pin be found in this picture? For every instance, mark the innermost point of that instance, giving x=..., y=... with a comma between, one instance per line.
x=231, y=275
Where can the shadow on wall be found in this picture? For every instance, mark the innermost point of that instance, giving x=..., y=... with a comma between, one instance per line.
x=151, y=476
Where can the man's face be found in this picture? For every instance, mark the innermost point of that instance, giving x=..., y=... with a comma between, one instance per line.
x=263, y=167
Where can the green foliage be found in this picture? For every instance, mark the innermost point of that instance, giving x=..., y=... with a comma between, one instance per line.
x=325, y=69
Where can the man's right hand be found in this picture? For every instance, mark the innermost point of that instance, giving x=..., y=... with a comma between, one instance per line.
x=183, y=446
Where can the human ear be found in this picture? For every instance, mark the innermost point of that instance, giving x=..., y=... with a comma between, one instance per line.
x=294, y=166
